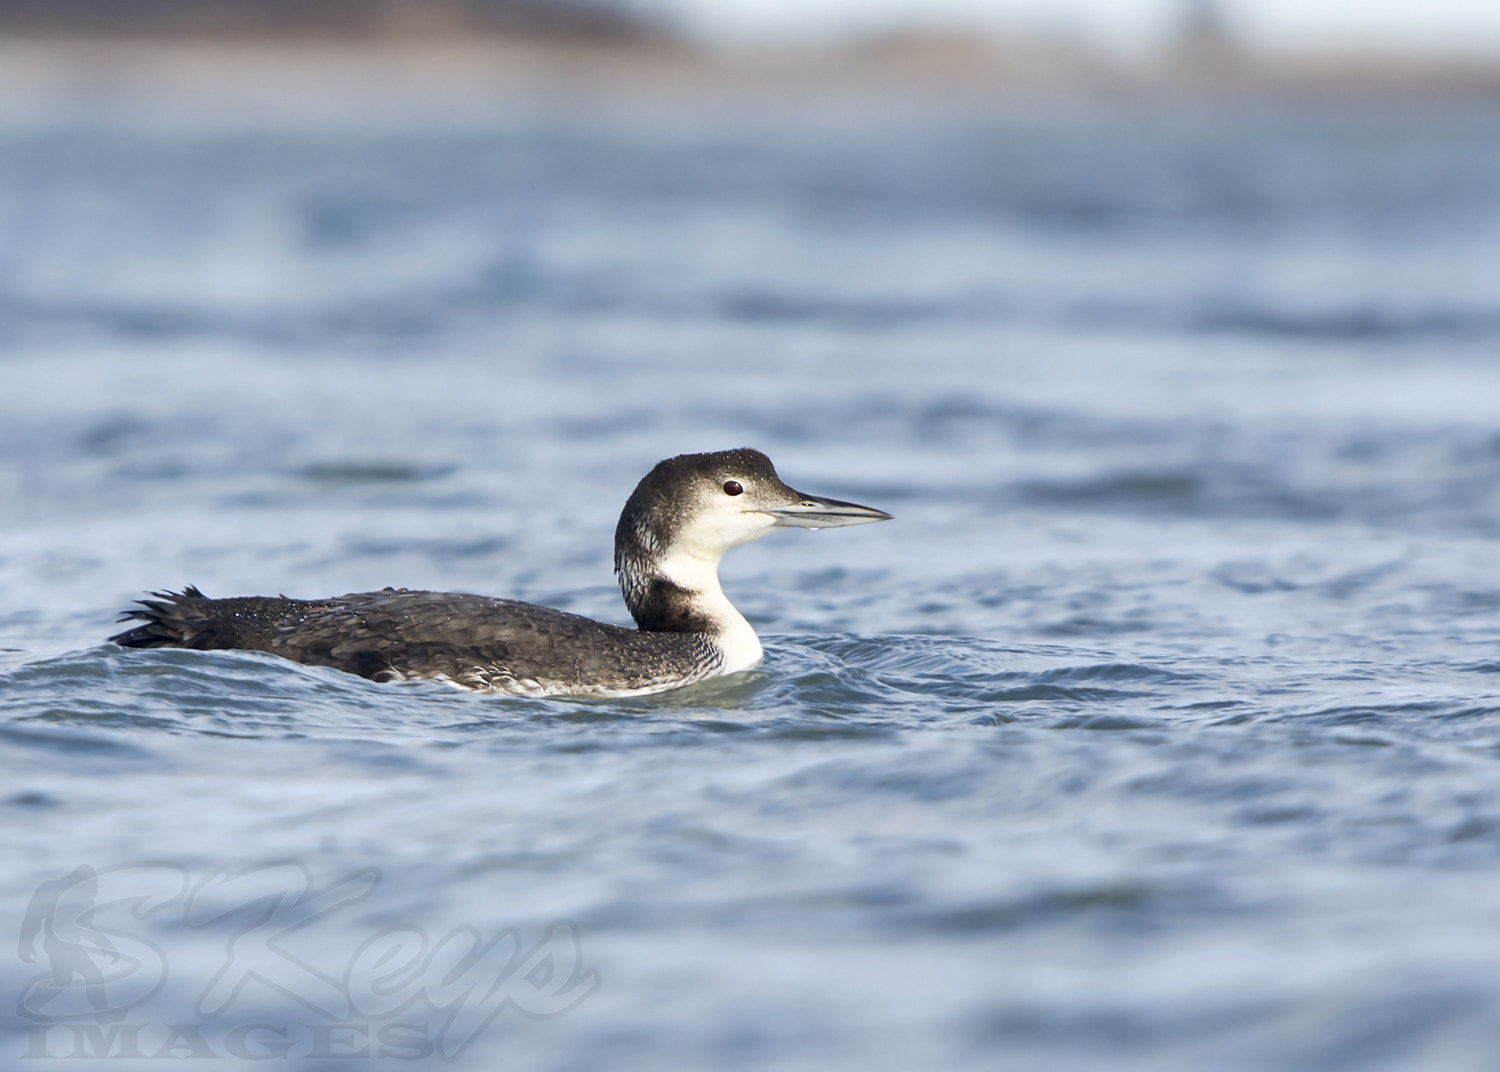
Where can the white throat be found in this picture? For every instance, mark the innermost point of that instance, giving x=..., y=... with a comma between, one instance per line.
x=698, y=573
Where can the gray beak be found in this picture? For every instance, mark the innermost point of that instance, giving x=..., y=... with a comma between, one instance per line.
x=811, y=512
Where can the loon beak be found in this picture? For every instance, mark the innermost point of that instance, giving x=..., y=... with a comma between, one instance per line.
x=811, y=512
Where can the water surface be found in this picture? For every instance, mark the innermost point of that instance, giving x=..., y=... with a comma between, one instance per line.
x=1160, y=730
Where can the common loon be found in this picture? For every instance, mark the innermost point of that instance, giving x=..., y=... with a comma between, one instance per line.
x=675, y=527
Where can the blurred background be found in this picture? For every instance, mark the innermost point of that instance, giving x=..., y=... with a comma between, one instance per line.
x=478, y=53
x=1155, y=732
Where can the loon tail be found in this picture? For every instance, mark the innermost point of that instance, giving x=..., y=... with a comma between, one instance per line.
x=169, y=618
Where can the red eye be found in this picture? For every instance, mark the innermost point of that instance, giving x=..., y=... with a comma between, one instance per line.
x=732, y=487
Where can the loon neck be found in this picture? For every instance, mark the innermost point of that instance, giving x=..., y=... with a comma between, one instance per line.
x=679, y=593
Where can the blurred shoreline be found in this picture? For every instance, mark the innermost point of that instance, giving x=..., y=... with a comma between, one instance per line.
x=51, y=76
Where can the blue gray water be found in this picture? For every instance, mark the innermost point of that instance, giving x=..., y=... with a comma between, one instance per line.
x=1160, y=730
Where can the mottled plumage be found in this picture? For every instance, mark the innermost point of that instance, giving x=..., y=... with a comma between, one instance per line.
x=681, y=518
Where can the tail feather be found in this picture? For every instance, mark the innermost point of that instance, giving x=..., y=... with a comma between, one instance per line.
x=167, y=617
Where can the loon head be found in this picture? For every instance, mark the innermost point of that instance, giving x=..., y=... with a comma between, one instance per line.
x=686, y=513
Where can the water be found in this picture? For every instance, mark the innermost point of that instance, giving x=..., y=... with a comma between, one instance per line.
x=1160, y=730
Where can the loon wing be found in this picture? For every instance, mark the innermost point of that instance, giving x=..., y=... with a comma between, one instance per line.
x=396, y=634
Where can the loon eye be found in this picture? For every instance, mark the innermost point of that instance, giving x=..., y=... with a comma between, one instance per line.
x=733, y=487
